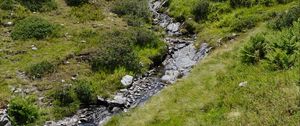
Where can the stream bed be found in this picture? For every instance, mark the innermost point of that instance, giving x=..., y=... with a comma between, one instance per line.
x=182, y=56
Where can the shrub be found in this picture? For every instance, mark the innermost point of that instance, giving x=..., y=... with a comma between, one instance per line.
x=39, y=5
x=32, y=27
x=84, y=92
x=76, y=2
x=145, y=38
x=7, y=4
x=116, y=52
x=22, y=112
x=63, y=96
x=255, y=50
x=87, y=13
x=201, y=10
x=134, y=8
x=285, y=19
x=243, y=23
x=40, y=69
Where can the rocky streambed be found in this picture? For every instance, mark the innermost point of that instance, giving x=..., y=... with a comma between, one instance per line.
x=182, y=56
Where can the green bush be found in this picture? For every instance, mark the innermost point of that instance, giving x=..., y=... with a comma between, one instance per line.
x=40, y=69
x=115, y=52
x=76, y=2
x=22, y=112
x=145, y=37
x=32, y=27
x=243, y=23
x=7, y=4
x=201, y=10
x=39, y=5
x=84, y=92
x=63, y=96
x=255, y=50
x=285, y=19
x=138, y=9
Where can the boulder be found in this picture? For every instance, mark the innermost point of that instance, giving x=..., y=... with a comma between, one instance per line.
x=4, y=119
x=127, y=80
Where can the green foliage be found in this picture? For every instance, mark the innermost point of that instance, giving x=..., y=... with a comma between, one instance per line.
x=76, y=2
x=145, y=38
x=243, y=23
x=7, y=4
x=87, y=12
x=40, y=69
x=32, y=27
x=255, y=50
x=22, y=112
x=240, y=3
x=201, y=10
x=285, y=19
x=279, y=53
x=135, y=10
x=39, y=5
x=115, y=52
x=84, y=92
x=63, y=96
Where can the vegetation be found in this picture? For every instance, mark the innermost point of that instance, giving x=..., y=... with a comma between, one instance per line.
x=201, y=10
x=22, y=112
x=40, y=69
x=6, y=4
x=39, y=5
x=76, y=2
x=32, y=27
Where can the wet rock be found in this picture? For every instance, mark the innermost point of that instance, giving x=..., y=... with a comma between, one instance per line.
x=173, y=27
x=127, y=80
x=4, y=119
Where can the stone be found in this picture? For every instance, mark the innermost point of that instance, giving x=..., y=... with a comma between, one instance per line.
x=173, y=27
x=4, y=119
x=127, y=80
x=119, y=99
x=8, y=24
x=243, y=84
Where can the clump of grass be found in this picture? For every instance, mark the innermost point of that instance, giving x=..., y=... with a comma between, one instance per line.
x=87, y=12
x=39, y=5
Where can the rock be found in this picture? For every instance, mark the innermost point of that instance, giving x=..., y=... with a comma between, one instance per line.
x=243, y=84
x=127, y=80
x=8, y=24
x=4, y=119
x=173, y=27
x=119, y=99
x=170, y=76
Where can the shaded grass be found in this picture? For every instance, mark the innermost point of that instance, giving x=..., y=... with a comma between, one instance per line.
x=211, y=95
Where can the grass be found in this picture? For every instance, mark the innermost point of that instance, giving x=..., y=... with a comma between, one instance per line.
x=211, y=95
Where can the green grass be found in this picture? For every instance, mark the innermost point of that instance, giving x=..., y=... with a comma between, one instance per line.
x=211, y=95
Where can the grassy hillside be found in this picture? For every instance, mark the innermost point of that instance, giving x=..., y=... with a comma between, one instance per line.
x=250, y=80
x=51, y=51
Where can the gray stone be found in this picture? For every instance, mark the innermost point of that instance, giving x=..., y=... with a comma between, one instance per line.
x=127, y=80
x=173, y=27
x=8, y=24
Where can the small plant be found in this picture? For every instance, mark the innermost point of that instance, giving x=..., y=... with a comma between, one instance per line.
x=32, y=27
x=243, y=23
x=255, y=50
x=22, y=112
x=76, y=2
x=145, y=38
x=84, y=92
x=201, y=10
x=40, y=69
x=63, y=96
x=39, y=5
x=240, y=3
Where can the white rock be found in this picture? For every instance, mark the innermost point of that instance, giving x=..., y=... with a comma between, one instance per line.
x=127, y=80
x=243, y=84
x=34, y=48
